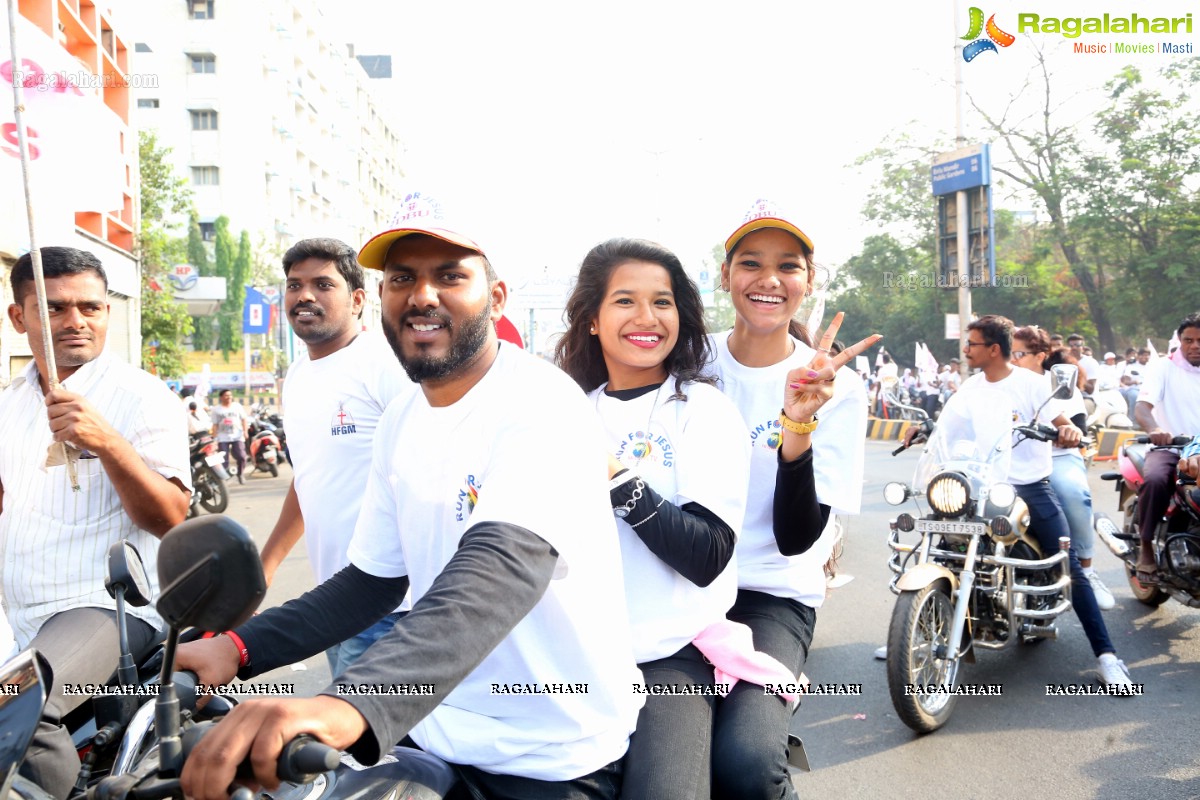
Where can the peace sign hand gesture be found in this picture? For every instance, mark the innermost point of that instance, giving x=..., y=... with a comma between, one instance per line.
x=810, y=387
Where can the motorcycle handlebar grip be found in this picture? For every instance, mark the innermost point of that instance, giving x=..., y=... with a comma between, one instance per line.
x=303, y=758
x=899, y=449
x=1178, y=441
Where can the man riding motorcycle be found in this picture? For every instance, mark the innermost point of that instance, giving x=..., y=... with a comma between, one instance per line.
x=1166, y=407
x=989, y=348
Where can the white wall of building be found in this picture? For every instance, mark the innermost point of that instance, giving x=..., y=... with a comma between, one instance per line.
x=302, y=148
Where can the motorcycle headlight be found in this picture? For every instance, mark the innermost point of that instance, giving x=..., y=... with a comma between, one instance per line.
x=1002, y=495
x=895, y=493
x=949, y=494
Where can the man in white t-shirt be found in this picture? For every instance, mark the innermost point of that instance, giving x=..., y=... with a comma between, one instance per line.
x=1168, y=406
x=1089, y=365
x=488, y=496
x=989, y=348
x=1132, y=375
x=334, y=395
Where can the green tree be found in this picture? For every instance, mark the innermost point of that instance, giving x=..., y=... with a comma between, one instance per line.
x=229, y=319
x=1048, y=162
x=1141, y=223
x=719, y=315
x=164, y=196
x=197, y=256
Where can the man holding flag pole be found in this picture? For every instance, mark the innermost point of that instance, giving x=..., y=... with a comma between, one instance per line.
x=72, y=481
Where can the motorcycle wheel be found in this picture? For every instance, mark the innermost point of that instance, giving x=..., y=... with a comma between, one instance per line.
x=214, y=497
x=273, y=469
x=921, y=623
x=1149, y=595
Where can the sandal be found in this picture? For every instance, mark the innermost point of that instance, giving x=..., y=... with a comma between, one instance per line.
x=1147, y=577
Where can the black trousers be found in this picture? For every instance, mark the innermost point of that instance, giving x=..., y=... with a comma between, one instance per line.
x=81, y=647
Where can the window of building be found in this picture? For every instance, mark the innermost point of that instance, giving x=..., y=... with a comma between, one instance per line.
x=147, y=102
x=208, y=230
x=141, y=47
x=200, y=9
x=204, y=120
x=203, y=62
x=206, y=176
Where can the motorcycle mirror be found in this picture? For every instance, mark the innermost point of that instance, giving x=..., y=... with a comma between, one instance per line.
x=1065, y=376
x=895, y=493
x=21, y=701
x=211, y=574
x=126, y=570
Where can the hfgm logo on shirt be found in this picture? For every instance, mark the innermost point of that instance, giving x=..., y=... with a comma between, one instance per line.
x=979, y=44
x=342, y=423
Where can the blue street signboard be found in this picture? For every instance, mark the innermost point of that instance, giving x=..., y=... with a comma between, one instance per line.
x=256, y=317
x=968, y=168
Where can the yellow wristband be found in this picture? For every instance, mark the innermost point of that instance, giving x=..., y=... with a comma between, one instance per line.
x=800, y=428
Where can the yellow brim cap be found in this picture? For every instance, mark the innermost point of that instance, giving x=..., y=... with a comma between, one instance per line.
x=375, y=251
x=758, y=224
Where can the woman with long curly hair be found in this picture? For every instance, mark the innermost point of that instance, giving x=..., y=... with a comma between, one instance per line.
x=679, y=464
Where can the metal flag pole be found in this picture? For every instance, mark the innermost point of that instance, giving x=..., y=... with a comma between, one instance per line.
x=35, y=255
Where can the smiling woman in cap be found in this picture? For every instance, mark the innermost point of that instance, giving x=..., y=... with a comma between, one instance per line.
x=799, y=474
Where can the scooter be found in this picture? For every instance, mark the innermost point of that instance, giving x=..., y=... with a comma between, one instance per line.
x=262, y=448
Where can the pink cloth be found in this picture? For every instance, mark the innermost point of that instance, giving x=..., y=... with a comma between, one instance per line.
x=1178, y=360
x=729, y=647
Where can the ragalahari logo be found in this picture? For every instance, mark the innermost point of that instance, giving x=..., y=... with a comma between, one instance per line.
x=995, y=36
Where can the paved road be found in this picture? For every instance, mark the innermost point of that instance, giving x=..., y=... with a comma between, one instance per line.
x=1020, y=744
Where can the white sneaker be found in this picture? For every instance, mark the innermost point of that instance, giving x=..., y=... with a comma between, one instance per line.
x=1113, y=672
x=1104, y=597
x=881, y=653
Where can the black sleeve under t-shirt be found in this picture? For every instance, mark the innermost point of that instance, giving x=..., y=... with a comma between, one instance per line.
x=798, y=518
x=497, y=575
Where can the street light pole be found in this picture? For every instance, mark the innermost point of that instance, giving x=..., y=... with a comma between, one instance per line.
x=962, y=212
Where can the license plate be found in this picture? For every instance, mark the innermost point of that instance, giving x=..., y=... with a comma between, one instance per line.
x=949, y=526
x=215, y=459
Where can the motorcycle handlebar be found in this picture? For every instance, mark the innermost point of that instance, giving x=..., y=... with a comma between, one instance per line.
x=1178, y=441
x=301, y=760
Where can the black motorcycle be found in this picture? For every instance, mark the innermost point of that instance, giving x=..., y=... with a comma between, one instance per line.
x=208, y=476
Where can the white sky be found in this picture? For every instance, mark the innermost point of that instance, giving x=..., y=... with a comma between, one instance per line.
x=551, y=126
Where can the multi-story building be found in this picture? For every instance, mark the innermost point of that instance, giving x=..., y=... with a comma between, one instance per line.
x=83, y=157
x=276, y=126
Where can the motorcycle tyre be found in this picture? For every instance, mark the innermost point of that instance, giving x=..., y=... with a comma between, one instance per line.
x=218, y=500
x=273, y=469
x=1147, y=595
x=910, y=608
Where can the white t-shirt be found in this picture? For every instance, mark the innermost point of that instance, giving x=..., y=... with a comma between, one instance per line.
x=1068, y=408
x=1025, y=391
x=1108, y=376
x=332, y=407
x=1090, y=367
x=1175, y=394
x=523, y=447
x=838, y=445
x=1135, y=371
x=228, y=420
x=689, y=452
x=53, y=540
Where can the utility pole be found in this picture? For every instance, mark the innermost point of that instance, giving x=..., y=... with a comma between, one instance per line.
x=962, y=212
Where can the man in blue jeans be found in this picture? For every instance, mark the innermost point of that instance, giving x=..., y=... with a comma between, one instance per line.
x=988, y=349
x=334, y=395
